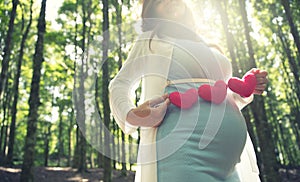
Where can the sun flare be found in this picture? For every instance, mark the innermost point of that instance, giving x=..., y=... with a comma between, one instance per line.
x=207, y=20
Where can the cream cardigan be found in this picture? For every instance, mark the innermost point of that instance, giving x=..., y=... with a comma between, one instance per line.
x=152, y=66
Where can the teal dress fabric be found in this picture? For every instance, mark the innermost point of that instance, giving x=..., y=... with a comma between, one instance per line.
x=202, y=143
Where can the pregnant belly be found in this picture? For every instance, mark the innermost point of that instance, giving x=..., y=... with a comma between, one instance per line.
x=207, y=139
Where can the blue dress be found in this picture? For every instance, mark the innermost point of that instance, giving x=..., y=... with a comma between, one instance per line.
x=204, y=142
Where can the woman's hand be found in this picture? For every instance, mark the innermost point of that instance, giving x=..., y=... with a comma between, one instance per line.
x=261, y=80
x=149, y=114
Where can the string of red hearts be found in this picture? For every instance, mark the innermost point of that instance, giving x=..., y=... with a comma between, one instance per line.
x=214, y=93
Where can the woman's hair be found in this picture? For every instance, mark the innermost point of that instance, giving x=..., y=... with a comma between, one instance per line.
x=151, y=21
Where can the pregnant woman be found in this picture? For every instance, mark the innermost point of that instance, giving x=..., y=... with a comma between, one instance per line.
x=191, y=125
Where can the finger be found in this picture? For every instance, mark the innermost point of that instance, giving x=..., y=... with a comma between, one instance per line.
x=261, y=87
x=261, y=73
x=260, y=81
x=160, y=111
x=258, y=92
x=161, y=108
x=165, y=96
x=167, y=101
x=157, y=100
x=254, y=71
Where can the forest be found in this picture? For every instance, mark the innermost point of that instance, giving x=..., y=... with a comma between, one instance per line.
x=58, y=57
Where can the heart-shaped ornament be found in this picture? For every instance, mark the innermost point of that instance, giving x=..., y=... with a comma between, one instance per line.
x=213, y=93
x=184, y=100
x=245, y=86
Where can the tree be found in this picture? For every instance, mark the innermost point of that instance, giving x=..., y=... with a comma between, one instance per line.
x=16, y=90
x=7, y=48
x=118, y=8
x=34, y=100
x=105, y=77
x=228, y=34
x=293, y=27
x=87, y=10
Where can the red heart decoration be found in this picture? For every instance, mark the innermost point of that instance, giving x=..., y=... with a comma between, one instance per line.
x=184, y=100
x=215, y=94
x=245, y=86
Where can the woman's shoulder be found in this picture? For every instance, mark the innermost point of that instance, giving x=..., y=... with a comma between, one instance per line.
x=147, y=43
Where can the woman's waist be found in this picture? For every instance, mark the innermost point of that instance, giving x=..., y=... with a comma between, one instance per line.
x=183, y=90
x=171, y=82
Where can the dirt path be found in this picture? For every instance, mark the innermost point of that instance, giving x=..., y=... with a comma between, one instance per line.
x=58, y=174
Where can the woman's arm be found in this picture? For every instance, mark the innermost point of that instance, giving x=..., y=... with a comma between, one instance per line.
x=129, y=117
x=139, y=64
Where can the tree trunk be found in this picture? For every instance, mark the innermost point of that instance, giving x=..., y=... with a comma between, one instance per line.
x=60, y=136
x=293, y=65
x=1, y=140
x=118, y=8
x=100, y=155
x=76, y=106
x=34, y=100
x=99, y=126
x=4, y=132
x=229, y=36
x=70, y=137
x=16, y=91
x=270, y=169
x=7, y=48
x=113, y=147
x=46, y=140
x=294, y=30
x=75, y=163
x=80, y=115
x=105, y=102
x=81, y=90
x=5, y=139
x=80, y=152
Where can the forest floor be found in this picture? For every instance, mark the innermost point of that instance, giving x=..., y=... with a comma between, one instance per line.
x=63, y=174
x=59, y=174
